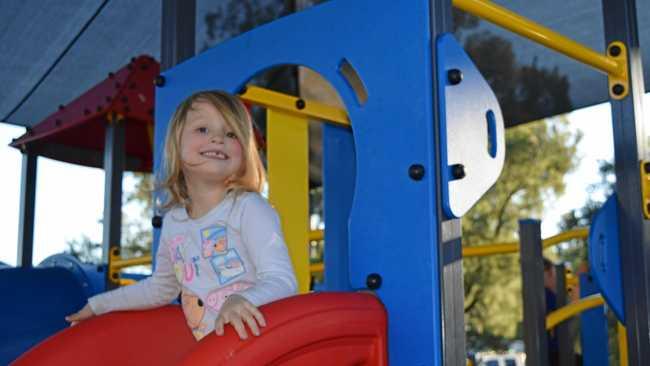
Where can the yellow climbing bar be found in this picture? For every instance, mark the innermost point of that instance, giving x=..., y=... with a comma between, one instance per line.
x=273, y=100
x=558, y=316
x=514, y=22
x=288, y=168
x=316, y=235
x=513, y=247
x=622, y=344
x=118, y=264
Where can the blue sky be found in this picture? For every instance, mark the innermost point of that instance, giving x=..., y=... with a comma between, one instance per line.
x=69, y=198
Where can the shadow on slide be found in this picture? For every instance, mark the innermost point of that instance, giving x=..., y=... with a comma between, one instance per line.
x=314, y=329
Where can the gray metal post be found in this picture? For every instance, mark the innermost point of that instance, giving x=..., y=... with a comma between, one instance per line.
x=27, y=205
x=177, y=32
x=630, y=147
x=450, y=250
x=114, y=157
x=562, y=330
x=532, y=287
x=177, y=43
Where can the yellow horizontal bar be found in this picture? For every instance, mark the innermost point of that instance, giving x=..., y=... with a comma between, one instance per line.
x=491, y=249
x=317, y=235
x=123, y=263
x=507, y=19
x=581, y=233
x=127, y=281
x=275, y=100
x=513, y=247
x=316, y=267
x=558, y=316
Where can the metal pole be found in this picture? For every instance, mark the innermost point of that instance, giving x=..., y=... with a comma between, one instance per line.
x=27, y=205
x=177, y=43
x=114, y=158
x=564, y=341
x=532, y=287
x=449, y=231
x=630, y=147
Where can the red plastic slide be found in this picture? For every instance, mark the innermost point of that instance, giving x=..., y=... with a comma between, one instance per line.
x=314, y=329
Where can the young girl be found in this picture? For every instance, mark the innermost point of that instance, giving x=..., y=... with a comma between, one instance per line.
x=221, y=245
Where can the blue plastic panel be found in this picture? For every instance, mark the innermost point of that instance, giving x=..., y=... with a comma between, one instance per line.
x=604, y=255
x=393, y=222
x=338, y=188
x=471, y=131
x=593, y=327
x=36, y=303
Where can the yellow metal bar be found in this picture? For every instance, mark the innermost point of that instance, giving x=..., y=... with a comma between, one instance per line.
x=491, y=249
x=317, y=235
x=119, y=264
x=513, y=247
x=317, y=267
x=514, y=22
x=580, y=233
x=556, y=317
x=273, y=100
x=126, y=281
x=622, y=344
x=288, y=165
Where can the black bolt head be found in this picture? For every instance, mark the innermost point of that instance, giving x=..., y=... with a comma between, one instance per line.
x=115, y=276
x=156, y=222
x=416, y=171
x=159, y=81
x=373, y=281
x=646, y=167
x=300, y=104
x=454, y=76
x=614, y=51
x=618, y=89
x=458, y=171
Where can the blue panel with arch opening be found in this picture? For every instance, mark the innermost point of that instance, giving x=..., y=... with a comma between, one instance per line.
x=392, y=223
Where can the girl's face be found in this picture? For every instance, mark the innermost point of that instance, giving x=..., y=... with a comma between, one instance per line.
x=209, y=148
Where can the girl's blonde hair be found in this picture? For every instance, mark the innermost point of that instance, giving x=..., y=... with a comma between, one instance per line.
x=251, y=178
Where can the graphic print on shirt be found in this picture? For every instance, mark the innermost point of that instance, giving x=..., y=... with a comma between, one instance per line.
x=216, y=298
x=175, y=253
x=194, y=311
x=226, y=262
x=213, y=241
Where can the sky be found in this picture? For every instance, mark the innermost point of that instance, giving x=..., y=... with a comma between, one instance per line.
x=69, y=198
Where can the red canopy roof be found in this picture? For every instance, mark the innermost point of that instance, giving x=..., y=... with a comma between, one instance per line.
x=75, y=133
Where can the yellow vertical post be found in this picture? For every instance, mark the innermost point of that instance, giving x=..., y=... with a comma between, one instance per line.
x=622, y=344
x=288, y=173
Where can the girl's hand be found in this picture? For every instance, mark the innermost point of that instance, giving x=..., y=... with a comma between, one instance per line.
x=236, y=311
x=82, y=314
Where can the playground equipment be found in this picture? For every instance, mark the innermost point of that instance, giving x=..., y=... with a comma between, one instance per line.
x=406, y=148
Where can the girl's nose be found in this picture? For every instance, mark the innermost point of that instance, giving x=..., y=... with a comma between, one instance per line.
x=217, y=138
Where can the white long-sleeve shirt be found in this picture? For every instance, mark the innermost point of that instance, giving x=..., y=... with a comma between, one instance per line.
x=237, y=247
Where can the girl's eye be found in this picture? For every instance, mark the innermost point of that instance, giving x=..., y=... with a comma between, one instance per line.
x=202, y=130
x=231, y=135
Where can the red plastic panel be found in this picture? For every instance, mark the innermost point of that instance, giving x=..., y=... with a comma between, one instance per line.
x=315, y=329
x=153, y=337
